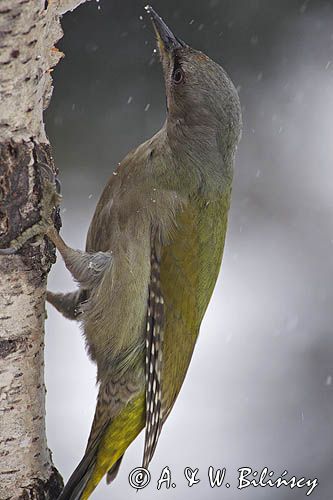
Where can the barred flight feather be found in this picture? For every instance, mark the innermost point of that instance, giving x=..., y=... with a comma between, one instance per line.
x=154, y=347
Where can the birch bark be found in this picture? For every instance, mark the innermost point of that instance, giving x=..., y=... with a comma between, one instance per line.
x=29, y=30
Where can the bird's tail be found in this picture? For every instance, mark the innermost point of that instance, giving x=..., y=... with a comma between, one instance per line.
x=80, y=477
x=104, y=454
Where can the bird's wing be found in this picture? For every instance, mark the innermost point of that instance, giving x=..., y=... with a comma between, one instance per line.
x=153, y=364
x=183, y=276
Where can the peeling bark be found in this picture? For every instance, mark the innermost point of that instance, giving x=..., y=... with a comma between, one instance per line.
x=29, y=30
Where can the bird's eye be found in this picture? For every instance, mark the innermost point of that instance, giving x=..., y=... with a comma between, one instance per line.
x=178, y=76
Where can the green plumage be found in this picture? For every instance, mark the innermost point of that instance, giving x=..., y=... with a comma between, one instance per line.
x=153, y=255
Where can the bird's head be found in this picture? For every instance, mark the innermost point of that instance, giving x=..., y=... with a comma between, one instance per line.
x=199, y=91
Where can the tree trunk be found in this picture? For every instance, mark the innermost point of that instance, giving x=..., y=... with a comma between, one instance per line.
x=29, y=30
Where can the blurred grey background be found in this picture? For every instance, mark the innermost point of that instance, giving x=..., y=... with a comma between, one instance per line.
x=259, y=390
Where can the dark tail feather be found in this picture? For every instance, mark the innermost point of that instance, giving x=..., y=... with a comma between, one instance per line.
x=112, y=474
x=80, y=477
x=67, y=303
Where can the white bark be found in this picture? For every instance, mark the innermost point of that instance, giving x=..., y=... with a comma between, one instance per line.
x=29, y=30
x=28, y=34
x=23, y=448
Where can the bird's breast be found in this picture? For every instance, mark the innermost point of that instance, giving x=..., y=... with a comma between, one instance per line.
x=190, y=265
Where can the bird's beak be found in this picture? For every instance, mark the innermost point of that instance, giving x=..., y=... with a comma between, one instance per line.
x=167, y=41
